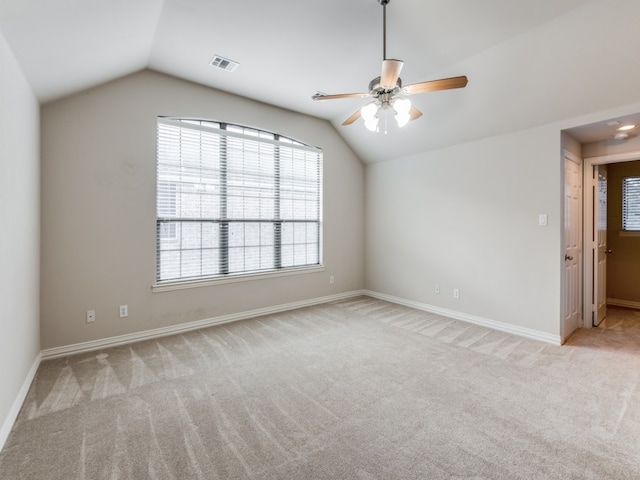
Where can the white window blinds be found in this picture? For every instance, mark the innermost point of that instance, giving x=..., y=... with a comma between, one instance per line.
x=631, y=203
x=234, y=200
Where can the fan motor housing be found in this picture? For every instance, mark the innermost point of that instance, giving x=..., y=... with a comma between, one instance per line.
x=376, y=88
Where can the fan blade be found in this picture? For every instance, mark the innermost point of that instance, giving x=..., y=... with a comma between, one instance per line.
x=390, y=73
x=322, y=96
x=435, y=85
x=351, y=119
x=414, y=113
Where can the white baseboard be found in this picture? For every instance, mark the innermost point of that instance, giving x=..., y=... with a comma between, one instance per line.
x=616, y=302
x=186, y=327
x=18, y=402
x=503, y=327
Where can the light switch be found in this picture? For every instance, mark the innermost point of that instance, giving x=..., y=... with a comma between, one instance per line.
x=542, y=220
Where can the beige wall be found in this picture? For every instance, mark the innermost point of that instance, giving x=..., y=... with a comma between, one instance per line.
x=19, y=242
x=610, y=147
x=572, y=145
x=623, y=264
x=98, y=209
x=466, y=217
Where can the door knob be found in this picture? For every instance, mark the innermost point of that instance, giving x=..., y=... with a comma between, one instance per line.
x=608, y=251
x=568, y=257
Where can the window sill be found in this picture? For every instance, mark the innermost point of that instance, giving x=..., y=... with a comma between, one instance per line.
x=629, y=233
x=170, y=286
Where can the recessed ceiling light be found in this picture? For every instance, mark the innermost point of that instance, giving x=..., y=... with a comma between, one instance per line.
x=624, y=128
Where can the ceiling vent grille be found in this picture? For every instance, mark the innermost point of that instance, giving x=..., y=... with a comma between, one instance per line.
x=224, y=63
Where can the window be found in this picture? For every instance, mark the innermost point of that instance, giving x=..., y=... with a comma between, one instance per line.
x=631, y=203
x=167, y=208
x=232, y=200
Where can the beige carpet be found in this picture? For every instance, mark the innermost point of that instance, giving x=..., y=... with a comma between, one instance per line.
x=358, y=389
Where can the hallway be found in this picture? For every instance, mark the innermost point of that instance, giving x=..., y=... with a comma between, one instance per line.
x=620, y=330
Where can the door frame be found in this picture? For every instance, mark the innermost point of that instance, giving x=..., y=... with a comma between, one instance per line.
x=588, y=221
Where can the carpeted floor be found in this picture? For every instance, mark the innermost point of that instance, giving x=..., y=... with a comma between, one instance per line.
x=357, y=389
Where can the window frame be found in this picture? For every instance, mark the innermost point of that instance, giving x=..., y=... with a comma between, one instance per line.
x=625, y=201
x=243, y=133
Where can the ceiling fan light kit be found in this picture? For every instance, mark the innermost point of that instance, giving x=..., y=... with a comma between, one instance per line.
x=388, y=93
x=377, y=114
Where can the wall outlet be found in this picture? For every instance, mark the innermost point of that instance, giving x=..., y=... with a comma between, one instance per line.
x=456, y=293
x=91, y=316
x=124, y=311
x=332, y=280
x=438, y=289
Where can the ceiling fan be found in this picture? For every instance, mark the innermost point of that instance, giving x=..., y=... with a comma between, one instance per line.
x=388, y=92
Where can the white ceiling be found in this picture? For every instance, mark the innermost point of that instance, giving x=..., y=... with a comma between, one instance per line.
x=287, y=50
x=605, y=130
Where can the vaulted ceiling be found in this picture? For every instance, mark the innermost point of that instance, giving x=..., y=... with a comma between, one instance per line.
x=289, y=49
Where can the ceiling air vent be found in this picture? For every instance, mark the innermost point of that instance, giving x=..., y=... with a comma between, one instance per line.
x=224, y=63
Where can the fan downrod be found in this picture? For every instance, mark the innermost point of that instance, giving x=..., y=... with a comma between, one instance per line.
x=384, y=27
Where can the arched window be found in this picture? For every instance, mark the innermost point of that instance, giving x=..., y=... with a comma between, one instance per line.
x=233, y=200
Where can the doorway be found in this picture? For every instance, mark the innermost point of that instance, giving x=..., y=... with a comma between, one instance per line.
x=593, y=147
x=595, y=234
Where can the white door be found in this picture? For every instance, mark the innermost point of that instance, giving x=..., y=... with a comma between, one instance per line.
x=573, y=244
x=600, y=246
